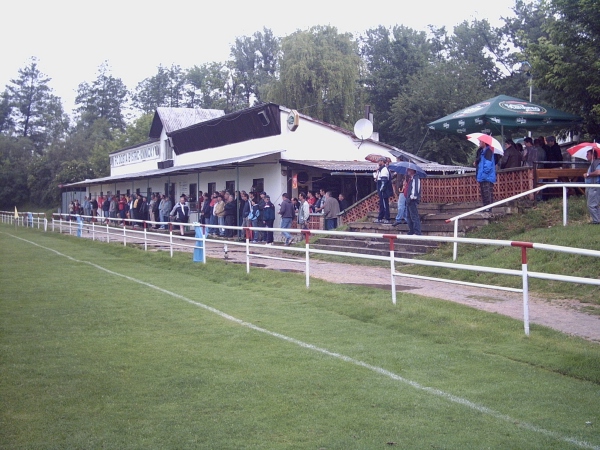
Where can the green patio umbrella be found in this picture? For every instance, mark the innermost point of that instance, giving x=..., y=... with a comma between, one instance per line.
x=495, y=114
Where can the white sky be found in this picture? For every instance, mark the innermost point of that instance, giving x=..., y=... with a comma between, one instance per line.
x=72, y=38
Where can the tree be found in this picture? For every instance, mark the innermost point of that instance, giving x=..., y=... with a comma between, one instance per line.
x=15, y=157
x=255, y=62
x=319, y=72
x=35, y=112
x=567, y=60
x=391, y=56
x=166, y=88
x=103, y=99
x=438, y=90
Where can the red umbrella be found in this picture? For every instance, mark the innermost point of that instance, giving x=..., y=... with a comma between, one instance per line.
x=580, y=150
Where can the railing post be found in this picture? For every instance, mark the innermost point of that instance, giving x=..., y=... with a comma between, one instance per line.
x=391, y=238
x=565, y=206
x=455, y=245
x=306, y=234
x=524, y=246
x=145, y=236
x=248, y=235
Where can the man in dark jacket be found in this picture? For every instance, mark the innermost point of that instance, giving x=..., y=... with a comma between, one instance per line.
x=511, y=157
x=554, y=153
x=230, y=213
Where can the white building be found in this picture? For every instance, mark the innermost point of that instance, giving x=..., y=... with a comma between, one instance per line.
x=263, y=148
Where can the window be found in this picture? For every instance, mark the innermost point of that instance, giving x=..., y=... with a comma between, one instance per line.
x=230, y=187
x=168, y=150
x=193, y=192
x=212, y=187
x=258, y=185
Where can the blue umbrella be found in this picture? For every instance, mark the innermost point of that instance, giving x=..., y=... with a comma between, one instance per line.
x=402, y=167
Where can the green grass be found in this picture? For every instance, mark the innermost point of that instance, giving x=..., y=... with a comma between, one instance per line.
x=91, y=359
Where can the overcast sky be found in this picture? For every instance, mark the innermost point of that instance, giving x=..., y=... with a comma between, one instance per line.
x=72, y=38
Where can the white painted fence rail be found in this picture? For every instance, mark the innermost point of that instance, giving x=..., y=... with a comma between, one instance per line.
x=113, y=231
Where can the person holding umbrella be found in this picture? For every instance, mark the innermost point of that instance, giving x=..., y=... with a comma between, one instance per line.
x=485, y=166
x=593, y=193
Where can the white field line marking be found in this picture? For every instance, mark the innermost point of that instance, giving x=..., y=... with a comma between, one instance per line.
x=439, y=393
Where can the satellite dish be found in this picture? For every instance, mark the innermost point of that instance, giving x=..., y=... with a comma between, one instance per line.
x=363, y=129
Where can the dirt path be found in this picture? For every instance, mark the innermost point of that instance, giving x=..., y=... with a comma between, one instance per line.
x=563, y=316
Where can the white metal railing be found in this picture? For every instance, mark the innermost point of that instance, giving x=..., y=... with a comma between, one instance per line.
x=565, y=187
x=24, y=219
x=145, y=237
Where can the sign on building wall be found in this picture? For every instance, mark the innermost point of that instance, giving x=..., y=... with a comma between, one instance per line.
x=136, y=155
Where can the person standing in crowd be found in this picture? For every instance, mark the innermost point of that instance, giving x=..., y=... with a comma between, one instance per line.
x=311, y=199
x=331, y=209
x=303, y=211
x=143, y=211
x=94, y=205
x=286, y=211
x=156, y=210
x=123, y=209
x=593, y=193
x=412, y=193
x=384, y=190
x=245, y=209
x=553, y=153
x=165, y=210
x=268, y=217
x=106, y=208
x=219, y=214
x=87, y=208
x=529, y=152
x=181, y=212
x=230, y=210
x=113, y=209
x=511, y=157
x=151, y=208
x=253, y=219
x=206, y=210
x=319, y=199
x=486, y=172
x=399, y=184
x=344, y=204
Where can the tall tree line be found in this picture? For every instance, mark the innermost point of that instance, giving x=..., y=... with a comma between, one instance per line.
x=408, y=77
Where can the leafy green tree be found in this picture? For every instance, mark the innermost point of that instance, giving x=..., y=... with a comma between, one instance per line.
x=391, y=56
x=35, y=112
x=104, y=98
x=438, y=90
x=255, y=62
x=567, y=60
x=205, y=86
x=5, y=119
x=166, y=88
x=319, y=72
x=15, y=157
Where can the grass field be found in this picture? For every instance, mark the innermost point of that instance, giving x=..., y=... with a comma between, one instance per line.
x=110, y=347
